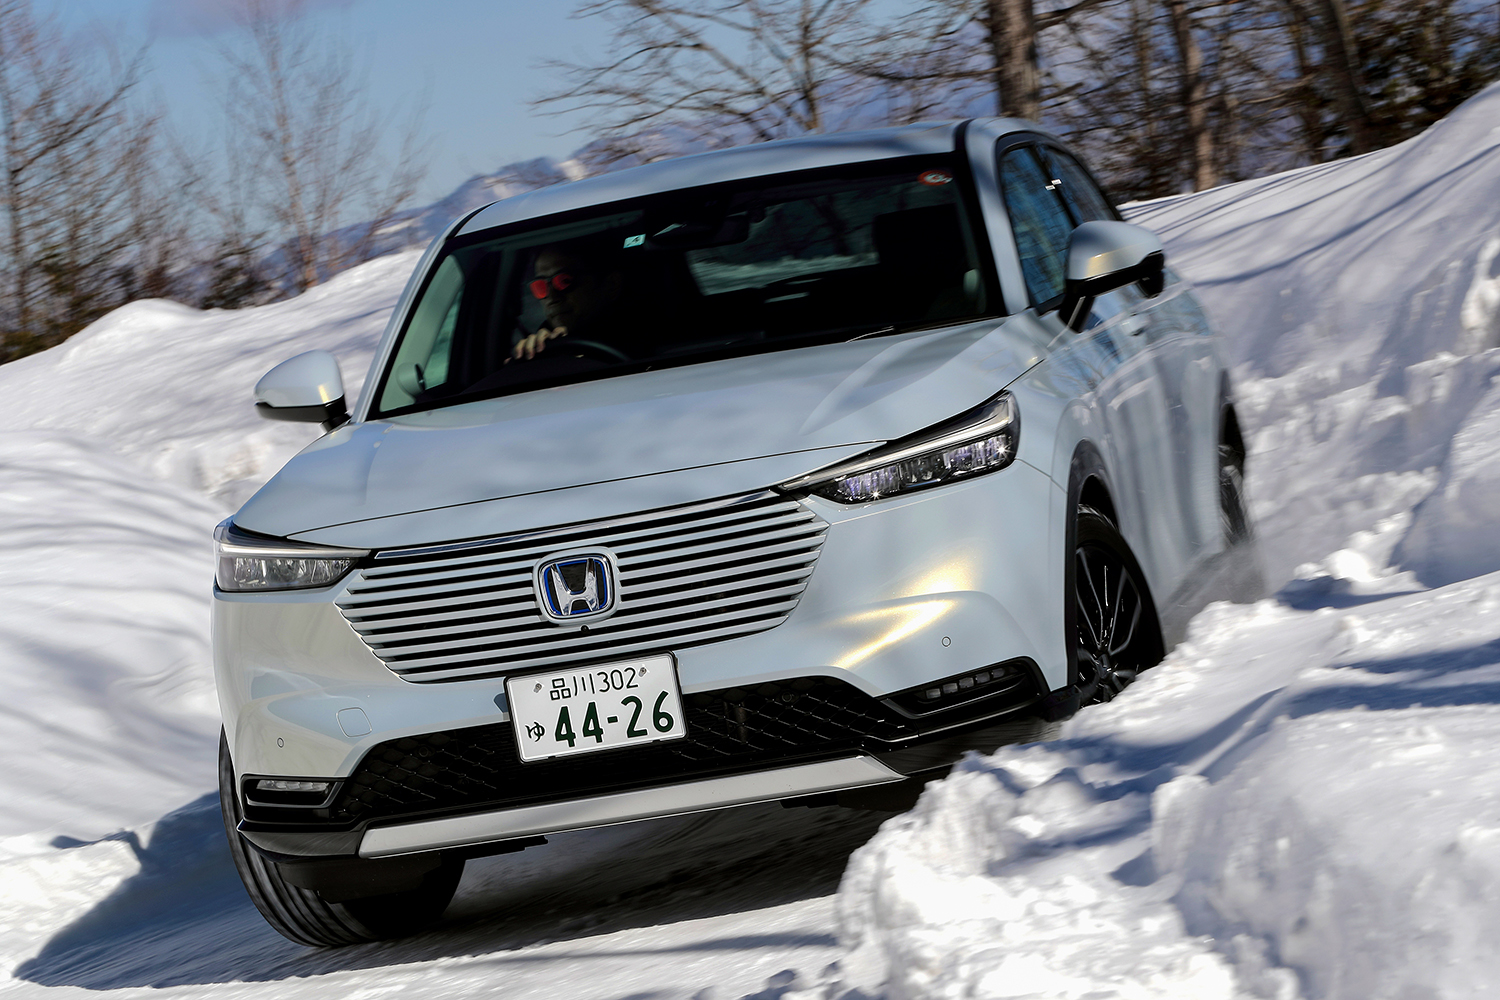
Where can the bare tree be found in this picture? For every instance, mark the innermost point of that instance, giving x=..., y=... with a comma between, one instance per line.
x=68, y=143
x=725, y=72
x=306, y=135
x=1011, y=33
x=1193, y=88
x=1341, y=71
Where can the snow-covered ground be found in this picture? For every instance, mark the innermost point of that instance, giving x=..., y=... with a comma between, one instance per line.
x=1297, y=803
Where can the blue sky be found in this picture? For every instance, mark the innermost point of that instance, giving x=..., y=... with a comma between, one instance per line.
x=476, y=62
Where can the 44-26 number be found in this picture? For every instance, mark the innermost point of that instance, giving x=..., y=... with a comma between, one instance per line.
x=661, y=720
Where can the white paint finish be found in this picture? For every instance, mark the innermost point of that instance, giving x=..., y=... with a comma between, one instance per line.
x=592, y=502
x=625, y=807
x=285, y=671
x=759, y=159
x=974, y=562
x=690, y=417
x=1104, y=246
x=354, y=722
x=979, y=562
x=312, y=378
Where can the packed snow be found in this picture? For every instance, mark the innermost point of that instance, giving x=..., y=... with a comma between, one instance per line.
x=1297, y=803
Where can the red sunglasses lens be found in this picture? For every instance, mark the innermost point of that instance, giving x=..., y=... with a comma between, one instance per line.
x=559, y=282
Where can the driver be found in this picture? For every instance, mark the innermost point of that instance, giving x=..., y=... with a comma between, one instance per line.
x=581, y=292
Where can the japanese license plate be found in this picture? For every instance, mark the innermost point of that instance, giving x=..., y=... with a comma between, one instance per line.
x=583, y=709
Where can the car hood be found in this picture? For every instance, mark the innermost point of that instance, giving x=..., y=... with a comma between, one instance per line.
x=727, y=425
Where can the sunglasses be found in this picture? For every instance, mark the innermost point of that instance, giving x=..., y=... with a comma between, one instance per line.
x=559, y=282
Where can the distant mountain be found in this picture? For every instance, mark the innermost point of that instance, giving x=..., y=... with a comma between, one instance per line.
x=866, y=106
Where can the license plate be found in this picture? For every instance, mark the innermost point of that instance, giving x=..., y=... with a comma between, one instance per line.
x=584, y=709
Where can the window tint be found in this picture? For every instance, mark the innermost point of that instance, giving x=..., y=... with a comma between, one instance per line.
x=1082, y=194
x=841, y=228
x=767, y=263
x=1040, y=223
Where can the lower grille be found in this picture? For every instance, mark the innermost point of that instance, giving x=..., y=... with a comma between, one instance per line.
x=732, y=731
x=736, y=729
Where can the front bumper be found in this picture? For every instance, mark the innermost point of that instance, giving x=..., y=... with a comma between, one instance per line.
x=624, y=807
x=468, y=786
x=906, y=591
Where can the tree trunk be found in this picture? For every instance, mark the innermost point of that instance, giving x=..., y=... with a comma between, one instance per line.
x=1194, y=97
x=1304, y=96
x=1341, y=67
x=1011, y=26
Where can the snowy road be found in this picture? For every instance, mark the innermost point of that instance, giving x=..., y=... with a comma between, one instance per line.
x=1302, y=801
x=723, y=906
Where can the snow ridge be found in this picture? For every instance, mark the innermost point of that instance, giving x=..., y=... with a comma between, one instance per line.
x=1299, y=802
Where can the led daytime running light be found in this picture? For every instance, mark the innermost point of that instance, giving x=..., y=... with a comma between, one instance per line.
x=981, y=441
x=251, y=563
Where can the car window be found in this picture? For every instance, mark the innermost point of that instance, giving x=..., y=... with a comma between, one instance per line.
x=1083, y=196
x=1039, y=220
x=762, y=264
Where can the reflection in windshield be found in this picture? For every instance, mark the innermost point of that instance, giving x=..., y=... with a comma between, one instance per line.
x=687, y=277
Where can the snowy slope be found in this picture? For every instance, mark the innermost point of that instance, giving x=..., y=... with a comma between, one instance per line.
x=120, y=451
x=1302, y=799
x=1298, y=802
x=1362, y=300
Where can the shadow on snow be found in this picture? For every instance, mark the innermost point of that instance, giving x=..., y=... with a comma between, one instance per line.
x=184, y=918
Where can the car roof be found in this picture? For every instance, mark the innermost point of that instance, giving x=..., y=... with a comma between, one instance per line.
x=763, y=158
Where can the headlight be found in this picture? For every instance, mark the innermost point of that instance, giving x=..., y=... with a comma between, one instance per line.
x=254, y=562
x=982, y=440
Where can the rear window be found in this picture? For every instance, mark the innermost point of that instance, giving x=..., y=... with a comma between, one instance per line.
x=692, y=276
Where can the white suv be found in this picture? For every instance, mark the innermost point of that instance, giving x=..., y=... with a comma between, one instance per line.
x=777, y=473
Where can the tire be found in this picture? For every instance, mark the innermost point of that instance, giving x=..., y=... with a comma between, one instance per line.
x=302, y=915
x=1233, y=519
x=1115, y=632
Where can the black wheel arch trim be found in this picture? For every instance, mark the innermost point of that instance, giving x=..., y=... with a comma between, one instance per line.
x=1087, y=466
x=1230, y=432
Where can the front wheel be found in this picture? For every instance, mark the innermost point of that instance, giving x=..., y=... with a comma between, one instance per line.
x=1115, y=631
x=304, y=916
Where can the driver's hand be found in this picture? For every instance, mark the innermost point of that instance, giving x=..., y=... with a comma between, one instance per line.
x=533, y=345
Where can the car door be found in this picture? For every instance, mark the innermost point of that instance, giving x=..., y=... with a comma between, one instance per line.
x=1127, y=392
x=1182, y=356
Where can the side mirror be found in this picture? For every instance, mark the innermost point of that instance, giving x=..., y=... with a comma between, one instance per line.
x=1107, y=255
x=306, y=388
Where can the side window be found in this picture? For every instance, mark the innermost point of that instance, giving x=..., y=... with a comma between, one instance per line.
x=428, y=333
x=1040, y=222
x=1079, y=190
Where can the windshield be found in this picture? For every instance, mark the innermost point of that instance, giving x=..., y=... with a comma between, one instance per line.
x=691, y=276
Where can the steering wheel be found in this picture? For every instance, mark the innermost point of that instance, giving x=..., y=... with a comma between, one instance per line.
x=589, y=347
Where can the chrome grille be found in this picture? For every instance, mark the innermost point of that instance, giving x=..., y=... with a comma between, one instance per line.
x=687, y=576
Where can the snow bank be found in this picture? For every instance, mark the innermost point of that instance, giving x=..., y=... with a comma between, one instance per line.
x=1302, y=798
x=121, y=450
x=1300, y=801
x=109, y=708
x=168, y=387
x=1361, y=303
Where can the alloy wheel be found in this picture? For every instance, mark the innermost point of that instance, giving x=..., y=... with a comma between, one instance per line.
x=1117, y=631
